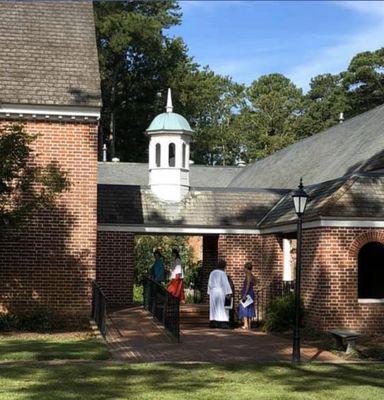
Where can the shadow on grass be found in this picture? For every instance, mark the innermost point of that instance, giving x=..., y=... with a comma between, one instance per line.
x=51, y=349
x=166, y=381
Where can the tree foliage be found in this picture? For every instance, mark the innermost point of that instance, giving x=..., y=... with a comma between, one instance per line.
x=145, y=246
x=24, y=186
x=139, y=61
x=364, y=81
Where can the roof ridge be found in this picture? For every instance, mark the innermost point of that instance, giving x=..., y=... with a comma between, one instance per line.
x=260, y=223
x=338, y=194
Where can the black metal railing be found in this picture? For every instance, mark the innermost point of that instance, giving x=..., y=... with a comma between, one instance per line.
x=99, y=308
x=163, y=306
x=267, y=293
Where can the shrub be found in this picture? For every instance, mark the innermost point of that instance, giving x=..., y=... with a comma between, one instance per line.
x=31, y=323
x=280, y=315
x=138, y=294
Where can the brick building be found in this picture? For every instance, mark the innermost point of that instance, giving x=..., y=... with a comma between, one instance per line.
x=49, y=80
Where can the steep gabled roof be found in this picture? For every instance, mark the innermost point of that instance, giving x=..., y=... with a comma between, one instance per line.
x=358, y=196
x=355, y=145
x=48, y=53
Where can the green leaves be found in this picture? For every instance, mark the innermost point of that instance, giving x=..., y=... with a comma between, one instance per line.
x=24, y=186
x=139, y=61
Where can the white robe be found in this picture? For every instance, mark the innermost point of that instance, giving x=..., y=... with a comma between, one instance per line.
x=218, y=288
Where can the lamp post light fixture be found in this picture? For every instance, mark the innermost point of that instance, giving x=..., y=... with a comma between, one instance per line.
x=300, y=198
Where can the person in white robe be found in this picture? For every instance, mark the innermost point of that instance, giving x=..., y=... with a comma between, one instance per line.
x=218, y=289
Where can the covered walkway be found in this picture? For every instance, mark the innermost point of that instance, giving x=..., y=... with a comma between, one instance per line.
x=134, y=337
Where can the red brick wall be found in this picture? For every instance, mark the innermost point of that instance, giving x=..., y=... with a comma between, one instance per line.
x=115, y=266
x=266, y=254
x=330, y=279
x=49, y=265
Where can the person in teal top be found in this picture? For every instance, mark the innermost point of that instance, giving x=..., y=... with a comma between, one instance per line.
x=157, y=270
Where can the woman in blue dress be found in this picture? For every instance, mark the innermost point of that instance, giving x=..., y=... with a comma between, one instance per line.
x=247, y=313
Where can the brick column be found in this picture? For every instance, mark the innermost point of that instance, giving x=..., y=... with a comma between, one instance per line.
x=115, y=266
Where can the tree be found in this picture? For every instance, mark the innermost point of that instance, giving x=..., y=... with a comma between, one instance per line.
x=324, y=102
x=364, y=81
x=145, y=245
x=136, y=63
x=210, y=101
x=272, y=117
x=24, y=186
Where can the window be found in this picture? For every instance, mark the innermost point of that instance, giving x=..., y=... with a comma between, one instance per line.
x=171, y=155
x=184, y=154
x=158, y=155
x=371, y=271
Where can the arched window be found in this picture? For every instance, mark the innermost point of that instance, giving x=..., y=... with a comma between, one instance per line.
x=184, y=154
x=158, y=155
x=371, y=271
x=171, y=155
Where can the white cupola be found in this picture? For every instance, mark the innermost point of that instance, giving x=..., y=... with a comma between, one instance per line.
x=169, y=141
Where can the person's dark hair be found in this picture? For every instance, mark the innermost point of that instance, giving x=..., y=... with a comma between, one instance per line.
x=157, y=252
x=221, y=264
x=248, y=265
x=176, y=253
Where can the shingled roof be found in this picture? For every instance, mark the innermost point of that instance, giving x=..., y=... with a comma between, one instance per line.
x=208, y=208
x=358, y=196
x=355, y=145
x=48, y=53
x=123, y=173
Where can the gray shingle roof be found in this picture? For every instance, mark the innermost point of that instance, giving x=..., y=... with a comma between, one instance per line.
x=48, y=53
x=137, y=174
x=360, y=195
x=357, y=144
x=130, y=205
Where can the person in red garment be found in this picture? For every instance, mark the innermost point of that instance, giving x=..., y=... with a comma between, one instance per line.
x=176, y=285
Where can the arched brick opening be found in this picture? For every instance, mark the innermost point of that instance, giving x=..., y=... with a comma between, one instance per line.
x=371, y=271
x=359, y=242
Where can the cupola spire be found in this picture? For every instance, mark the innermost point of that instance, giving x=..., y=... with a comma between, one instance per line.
x=169, y=107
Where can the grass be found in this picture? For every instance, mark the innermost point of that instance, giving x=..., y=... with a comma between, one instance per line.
x=99, y=381
x=73, y=346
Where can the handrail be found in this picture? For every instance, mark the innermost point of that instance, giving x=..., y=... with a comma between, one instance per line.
x=163, y=306
x=267, y=293
x=99, y=308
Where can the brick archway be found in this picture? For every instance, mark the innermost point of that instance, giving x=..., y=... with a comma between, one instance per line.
x=359, y=242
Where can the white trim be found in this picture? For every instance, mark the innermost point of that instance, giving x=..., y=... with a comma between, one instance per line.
x=324, y=223
x=370, y=301
x=176, y=229
x=77, y=113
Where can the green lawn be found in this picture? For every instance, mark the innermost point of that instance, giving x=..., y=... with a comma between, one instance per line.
x=52, y=347
x=103, y=380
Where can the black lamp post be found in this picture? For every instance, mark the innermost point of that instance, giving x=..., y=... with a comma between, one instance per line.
x=300, y=199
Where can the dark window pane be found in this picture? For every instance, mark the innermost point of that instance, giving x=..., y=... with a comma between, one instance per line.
x=371, y=271
x=171, y=155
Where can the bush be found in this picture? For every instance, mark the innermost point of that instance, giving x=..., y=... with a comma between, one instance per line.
x=138, y=295
x=31, y=323
x=145, y=245
x=280, y=315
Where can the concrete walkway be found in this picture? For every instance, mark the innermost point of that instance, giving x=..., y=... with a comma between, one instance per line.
x=134, y=337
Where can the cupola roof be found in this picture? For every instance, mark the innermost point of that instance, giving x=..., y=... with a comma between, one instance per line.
x=169, y=121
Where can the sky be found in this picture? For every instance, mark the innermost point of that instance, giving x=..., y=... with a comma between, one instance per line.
x=300, y=39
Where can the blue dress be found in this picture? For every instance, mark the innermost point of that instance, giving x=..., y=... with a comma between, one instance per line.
x=248, y=312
